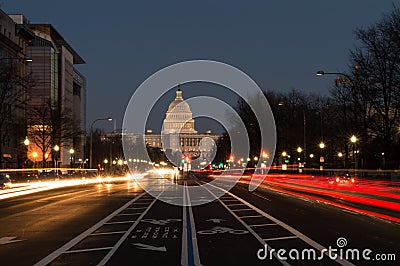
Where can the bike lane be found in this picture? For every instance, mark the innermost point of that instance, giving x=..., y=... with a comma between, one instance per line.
x=223, y=240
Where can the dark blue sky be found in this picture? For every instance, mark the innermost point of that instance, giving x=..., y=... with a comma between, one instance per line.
x=280, y=44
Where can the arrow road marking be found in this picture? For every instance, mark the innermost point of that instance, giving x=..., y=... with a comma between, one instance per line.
x=215, y=220
x=148, y=247
x=8, y=240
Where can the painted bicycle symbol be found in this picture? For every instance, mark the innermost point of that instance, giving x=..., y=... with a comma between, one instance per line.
x=222, y=230
x=161, y=222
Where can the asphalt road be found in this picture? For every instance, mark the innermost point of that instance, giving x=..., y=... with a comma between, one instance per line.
x=120, y=224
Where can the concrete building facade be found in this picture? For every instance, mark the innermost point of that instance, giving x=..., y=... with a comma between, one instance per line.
x=14, y=85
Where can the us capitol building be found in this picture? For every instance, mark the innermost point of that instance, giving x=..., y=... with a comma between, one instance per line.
x=178, y=136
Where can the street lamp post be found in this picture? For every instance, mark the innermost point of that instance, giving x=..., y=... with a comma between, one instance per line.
x=91, y=139
x=56, y=149
x=34, y=155
x=71, y=152
x=321, y=159
x=354, y=140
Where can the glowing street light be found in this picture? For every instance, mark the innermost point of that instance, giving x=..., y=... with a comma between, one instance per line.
x=299, y=149
x=322, y=145
x=26, y=141
x=71, y=152
x=34, y=155
x=353, y=139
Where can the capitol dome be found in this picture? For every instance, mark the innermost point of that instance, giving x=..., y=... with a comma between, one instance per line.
x=178, y=118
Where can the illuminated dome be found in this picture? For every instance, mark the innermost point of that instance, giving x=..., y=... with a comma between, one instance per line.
x=178, y=118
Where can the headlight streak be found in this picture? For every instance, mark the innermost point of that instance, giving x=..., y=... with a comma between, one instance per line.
x=34, y=187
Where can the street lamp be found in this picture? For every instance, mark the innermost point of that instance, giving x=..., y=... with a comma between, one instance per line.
x=322, y=145
x=91, y=139
x=34, y=155
x=56, y=148
x=71, y=152
x=321, y=158
x=299, y=150
x=353, y=140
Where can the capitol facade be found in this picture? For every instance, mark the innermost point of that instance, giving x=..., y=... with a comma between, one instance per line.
x=178, y=138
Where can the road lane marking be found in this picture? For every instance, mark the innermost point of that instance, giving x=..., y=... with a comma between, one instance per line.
x=190, y=252
x=296, y=233
x=86, y=250
x=216, y=220
x=193, y=232
x=136, y=208
x=184, y=256
x=260, y=225
x=125, y=236
x=241, y=210
x=121, y=222
x=249, y=229
x=9, y=239
x=148, y=247
x=251, y=216
x=55, y=254
x=128, y=214
x=279, y=238
x=107, y=233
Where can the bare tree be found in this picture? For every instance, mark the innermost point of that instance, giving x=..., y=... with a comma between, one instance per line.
x=47, y=126
x=377, y=81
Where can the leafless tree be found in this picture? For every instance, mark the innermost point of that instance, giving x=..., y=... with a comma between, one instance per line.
x=47, y=126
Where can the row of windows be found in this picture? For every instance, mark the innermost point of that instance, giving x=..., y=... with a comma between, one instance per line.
x=4, y=31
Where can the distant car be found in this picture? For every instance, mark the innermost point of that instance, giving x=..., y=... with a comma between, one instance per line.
x=5, y=181
x=343, y=180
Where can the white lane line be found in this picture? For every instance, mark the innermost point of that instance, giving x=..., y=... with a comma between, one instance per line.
x=52, y=256
x=138, y=208
x=279, y=238
x=261, y=225
x=107, y=233
x=251, y=216
x=184, y=257
x=121, y=222
x=87, y=250
x=127, y=214
x=122, y=239
x=241, y=210
x=196, y=256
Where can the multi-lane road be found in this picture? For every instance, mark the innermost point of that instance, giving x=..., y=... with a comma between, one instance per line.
x=118, y=223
